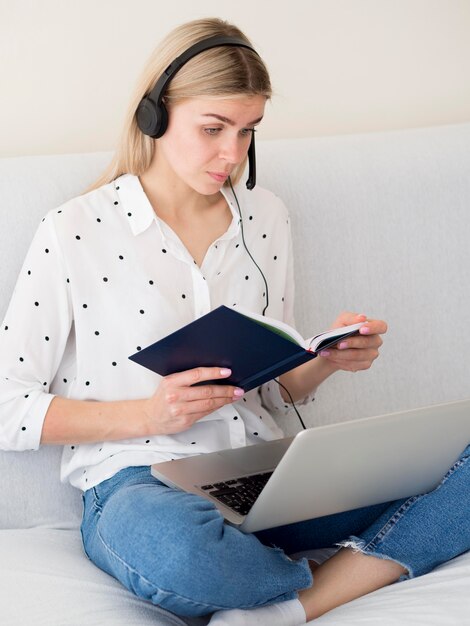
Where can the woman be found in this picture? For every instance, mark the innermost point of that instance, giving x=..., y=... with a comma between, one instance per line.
x=167, y=234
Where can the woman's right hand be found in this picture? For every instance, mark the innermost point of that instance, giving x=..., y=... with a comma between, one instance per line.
x=177, y=404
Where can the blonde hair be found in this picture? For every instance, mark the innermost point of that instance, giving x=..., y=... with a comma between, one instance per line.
x=218, y=72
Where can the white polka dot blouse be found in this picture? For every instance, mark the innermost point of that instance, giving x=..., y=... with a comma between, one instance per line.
x=105, y=277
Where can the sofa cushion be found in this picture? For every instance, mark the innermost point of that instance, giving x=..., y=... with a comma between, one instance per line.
x=31, y=493
x=47, y=580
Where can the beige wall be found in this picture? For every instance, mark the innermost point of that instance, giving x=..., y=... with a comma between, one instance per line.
x=338, y=66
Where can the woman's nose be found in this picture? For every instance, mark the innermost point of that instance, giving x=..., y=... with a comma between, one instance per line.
x=232, y=150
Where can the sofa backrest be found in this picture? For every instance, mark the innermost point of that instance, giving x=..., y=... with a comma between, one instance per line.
x=381, y=225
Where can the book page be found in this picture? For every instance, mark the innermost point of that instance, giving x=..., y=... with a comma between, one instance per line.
x=318, y=342
x=331, y=337
x=281, y=328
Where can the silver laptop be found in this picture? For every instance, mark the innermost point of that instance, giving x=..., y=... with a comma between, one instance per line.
x=327, y=469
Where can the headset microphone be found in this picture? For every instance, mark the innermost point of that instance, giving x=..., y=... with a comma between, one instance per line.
x=152, y=115
x=251, y=182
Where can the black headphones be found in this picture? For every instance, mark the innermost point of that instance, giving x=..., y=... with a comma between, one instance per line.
x=152, y=115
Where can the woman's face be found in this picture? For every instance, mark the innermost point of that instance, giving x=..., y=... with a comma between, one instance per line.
x=207, y=138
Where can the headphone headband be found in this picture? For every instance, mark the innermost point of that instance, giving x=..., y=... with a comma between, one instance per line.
x=201, y=46
x=152, y=115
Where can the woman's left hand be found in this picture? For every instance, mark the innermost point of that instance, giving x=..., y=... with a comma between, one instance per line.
x=357, y=352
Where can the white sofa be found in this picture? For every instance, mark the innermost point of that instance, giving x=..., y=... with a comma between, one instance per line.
x=381, y=225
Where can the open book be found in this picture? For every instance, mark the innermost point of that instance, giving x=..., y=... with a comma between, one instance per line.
x=255, y=347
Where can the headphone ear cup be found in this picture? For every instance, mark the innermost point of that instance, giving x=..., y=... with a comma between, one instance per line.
x=162, y=116
x=151, y=119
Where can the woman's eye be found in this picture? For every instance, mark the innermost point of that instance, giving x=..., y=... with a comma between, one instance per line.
x=244, y=132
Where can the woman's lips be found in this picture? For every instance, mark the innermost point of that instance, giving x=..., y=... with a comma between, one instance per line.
x=220, y=177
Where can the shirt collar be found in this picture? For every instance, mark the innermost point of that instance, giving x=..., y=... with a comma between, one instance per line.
x=234, y=227
x=134, y=203
x=140, y=214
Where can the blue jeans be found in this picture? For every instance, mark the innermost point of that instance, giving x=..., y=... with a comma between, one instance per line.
x=174, y=549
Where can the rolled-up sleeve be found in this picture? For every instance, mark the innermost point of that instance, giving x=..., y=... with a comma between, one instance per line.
x=33, y=337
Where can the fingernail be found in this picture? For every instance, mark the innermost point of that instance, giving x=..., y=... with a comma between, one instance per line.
x=238, y=392
x=225, y=372
x=325, y=353
x=364, y=330
x=343, y=345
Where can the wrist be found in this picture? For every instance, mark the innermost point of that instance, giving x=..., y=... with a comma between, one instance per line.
x=123, y=419
x=147, y=424
x=303, y=380
x=326, y=367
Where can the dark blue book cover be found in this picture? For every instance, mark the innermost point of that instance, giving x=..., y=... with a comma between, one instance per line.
x=226, y=338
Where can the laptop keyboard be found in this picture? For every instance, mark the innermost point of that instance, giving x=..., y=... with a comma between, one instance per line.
x=238, y=494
